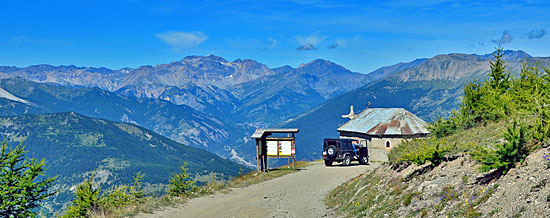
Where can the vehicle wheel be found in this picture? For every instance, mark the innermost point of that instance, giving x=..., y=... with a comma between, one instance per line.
x=346, y=161
x=328, y=163
x=363, y=160
x=331, y=151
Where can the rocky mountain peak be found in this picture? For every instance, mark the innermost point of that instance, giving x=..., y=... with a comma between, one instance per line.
x=320, y=66
x=509, y=55
x=195, y=58
x=283, y=69
x=319, y=63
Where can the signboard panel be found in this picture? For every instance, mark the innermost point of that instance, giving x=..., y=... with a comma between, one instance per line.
x=286, y=148
x=280, y=147
x=272, y=147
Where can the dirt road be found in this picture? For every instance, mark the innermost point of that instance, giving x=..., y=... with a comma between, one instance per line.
x=300, y=194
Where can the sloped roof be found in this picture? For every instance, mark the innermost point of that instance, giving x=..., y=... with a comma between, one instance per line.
x=260, y=132
x=386, y=121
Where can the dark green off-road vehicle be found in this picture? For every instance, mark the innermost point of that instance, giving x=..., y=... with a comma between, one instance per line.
x=344, y=151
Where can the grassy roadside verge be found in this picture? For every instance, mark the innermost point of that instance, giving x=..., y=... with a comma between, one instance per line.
x=399, y=188
x=411, y=185
x=150, y=204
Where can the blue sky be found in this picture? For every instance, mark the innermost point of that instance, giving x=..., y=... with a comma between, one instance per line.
x=360, y=35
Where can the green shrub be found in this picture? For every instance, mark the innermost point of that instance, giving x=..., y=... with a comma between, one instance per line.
x=442, y=127
x=419, y=151
x=87, y=200
x=91, y=201
x=20, y=194
x=136, y=190
x=407, y=198
x=506, y=154
x=181, y=184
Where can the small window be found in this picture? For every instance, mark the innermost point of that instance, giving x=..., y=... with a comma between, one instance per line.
x=388, y=143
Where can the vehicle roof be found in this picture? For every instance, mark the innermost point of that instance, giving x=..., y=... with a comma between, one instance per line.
x=335, y=139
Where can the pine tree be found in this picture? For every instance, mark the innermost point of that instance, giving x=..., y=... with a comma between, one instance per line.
x=20, y=193
x=136, y=191
x=87, y=199
x=499, y=79
x=180, y=184
x=507, y=154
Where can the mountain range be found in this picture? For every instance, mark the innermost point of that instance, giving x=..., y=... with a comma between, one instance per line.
x=204, y=102
x=214, y=104
x=179, y=122
x=210, y=84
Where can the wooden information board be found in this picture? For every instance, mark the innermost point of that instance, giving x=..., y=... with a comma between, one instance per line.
x=281, y=147
x=274, y=146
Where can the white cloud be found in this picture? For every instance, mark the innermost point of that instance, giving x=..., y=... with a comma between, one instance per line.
x=180, y=40
x=505, y=38
x=310, y=42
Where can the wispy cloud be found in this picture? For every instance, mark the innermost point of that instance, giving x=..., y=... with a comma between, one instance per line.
x=310, y=42
x=273, y=42
x=480, y=44
x=180, y=40
x=505, y=38
x=306, y=47
x=253, y=44
x=535, y=34
x=20, y=40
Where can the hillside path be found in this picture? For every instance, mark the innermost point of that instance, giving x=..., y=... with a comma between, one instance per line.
x=299, y=194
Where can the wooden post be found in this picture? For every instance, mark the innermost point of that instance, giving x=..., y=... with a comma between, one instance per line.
x=257, y=156
x=265, y=162
x=293, y=145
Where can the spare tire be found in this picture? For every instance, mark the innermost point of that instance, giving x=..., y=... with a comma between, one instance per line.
x=331, y=151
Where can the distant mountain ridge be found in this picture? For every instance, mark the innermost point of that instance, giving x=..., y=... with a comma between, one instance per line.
x=210, y=84
x=386, y=71
x=179, y=122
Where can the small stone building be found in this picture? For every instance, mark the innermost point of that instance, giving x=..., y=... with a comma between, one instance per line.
x=381, y=129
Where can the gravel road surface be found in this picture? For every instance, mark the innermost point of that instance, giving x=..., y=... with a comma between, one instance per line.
x=299, y=194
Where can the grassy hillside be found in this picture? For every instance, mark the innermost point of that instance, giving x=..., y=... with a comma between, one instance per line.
x=75, y=146
x=490, y=158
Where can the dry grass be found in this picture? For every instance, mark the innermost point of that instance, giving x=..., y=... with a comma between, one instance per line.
x=150, y=204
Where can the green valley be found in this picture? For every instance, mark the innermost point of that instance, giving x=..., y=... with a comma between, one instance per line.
x=76, y=146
